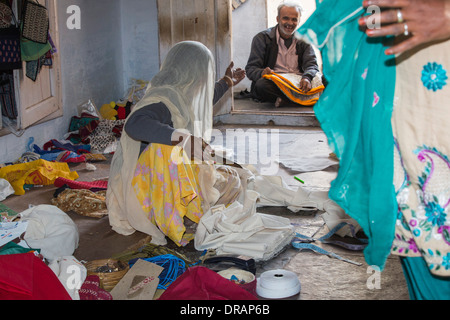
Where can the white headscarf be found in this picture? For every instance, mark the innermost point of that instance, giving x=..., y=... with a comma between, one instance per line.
x=185, y=84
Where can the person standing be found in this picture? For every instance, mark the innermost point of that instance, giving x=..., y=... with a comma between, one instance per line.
x=388, y=127
x=422, y=140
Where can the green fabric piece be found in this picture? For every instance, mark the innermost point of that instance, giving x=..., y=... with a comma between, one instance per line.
x=355, y=113
x=13, y=248
x=4, y=208
x=422, y=284
x=32, y=50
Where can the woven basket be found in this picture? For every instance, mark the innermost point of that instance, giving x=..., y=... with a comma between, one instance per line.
x=108, y=280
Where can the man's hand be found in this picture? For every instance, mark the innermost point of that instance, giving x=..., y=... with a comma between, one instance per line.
x=267, y=71
x=305, y=85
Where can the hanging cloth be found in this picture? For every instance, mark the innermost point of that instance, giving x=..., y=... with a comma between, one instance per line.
x=32, y=51
x=355, y=112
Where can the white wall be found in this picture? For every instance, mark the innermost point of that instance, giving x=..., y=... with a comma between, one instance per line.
x=96, y=61
x=139, y=39
x=91, y=58
x=248, y=19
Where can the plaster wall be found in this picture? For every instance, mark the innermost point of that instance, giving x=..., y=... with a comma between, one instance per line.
x=96, y=62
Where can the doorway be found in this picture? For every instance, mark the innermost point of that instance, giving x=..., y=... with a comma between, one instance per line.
x=249, y=18
x=228, y=27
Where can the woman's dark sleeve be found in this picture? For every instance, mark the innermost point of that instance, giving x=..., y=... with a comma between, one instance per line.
x=219, y=90
x=151, y=124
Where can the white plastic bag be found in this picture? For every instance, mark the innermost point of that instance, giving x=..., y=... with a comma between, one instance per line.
x=6, y=189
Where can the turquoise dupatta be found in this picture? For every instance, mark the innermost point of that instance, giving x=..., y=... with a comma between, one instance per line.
x=355, y=113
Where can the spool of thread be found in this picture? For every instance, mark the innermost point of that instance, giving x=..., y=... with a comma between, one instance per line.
x=278, y=284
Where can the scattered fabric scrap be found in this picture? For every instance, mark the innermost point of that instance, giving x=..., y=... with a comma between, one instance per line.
x=40, y=172
x=83, y=202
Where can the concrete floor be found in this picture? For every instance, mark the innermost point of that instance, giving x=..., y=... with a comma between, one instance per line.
x=321, y=277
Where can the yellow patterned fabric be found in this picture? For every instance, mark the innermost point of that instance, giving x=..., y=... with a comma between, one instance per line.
x=166, y=185
x=289, y=84
x=39, y=172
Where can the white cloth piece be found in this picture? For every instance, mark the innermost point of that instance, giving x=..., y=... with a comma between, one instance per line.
x=333, y=218
x=6, y=189
x=239, y=229
x=72, y=274
x=273, y=191
x=51, y=230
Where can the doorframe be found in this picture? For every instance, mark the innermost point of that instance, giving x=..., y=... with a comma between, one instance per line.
x=222, y=39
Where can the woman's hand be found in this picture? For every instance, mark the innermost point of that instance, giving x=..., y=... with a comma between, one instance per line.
x=196, y=148
x=236, y=75
x=421, y=21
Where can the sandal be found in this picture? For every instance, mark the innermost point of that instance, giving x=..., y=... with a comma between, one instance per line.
x=245, y=94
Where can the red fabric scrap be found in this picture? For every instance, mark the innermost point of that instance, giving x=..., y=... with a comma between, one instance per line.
x=200, y=283
x=26, y=277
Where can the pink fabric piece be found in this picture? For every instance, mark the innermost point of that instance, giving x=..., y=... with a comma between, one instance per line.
x=99, y=185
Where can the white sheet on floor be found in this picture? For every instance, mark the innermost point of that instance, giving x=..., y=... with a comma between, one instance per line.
x=274, y=191
x=240, y=229
x=317, y=157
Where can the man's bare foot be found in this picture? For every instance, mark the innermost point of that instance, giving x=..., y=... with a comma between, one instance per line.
x=279, y=102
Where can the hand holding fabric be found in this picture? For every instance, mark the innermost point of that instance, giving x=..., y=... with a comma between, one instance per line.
x=305, y=85
x=267, y=71
x=420, y=21
x=196, y=148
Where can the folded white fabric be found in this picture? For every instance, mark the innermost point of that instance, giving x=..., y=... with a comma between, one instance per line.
x=239, y=229
x=274, y=192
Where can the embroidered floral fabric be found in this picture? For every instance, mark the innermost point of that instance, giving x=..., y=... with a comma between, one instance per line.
x=422, y=166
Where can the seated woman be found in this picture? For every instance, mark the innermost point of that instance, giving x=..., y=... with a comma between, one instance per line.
x=154, y=184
